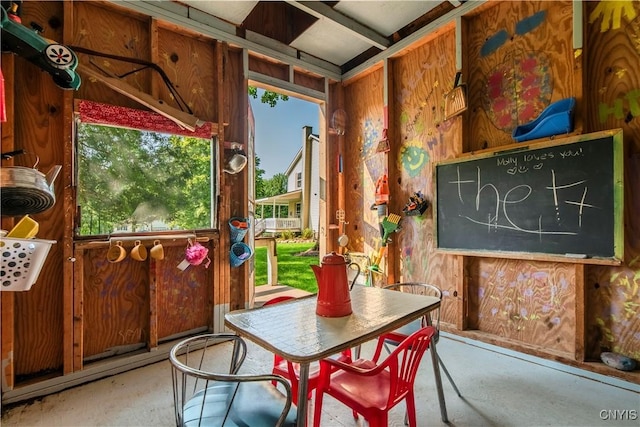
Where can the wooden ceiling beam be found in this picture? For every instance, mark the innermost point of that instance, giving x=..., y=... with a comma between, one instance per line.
x=322, y=11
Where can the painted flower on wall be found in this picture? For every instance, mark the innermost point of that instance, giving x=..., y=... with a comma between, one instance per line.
x=518, y=89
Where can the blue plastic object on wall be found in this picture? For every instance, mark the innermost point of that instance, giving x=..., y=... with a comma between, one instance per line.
x=556, y=119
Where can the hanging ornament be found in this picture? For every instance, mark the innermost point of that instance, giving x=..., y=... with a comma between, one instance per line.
x=196, y=254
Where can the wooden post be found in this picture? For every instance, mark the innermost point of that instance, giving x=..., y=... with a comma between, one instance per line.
x=7, y=299
x=272, y=258
x=69, y=202
x=76, y=302
x=392, y=176
x=221, y=254
x=580, y=314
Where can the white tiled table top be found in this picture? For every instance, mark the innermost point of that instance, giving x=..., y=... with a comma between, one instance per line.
x=293, y=330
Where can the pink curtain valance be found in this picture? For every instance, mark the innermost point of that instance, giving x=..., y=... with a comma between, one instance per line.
x=112, y=115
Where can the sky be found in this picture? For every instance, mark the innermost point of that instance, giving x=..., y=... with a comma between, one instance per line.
x=279, y=131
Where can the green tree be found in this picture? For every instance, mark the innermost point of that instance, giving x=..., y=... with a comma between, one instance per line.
x=267, y=97
x=260, y=189
x=276, y=185
x=259, y=184
x=269, y=187
x=132, y=178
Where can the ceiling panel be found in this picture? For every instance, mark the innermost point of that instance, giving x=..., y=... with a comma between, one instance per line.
x=344, y=33
x=386, y=17
x=330, y=41
x=232, y=11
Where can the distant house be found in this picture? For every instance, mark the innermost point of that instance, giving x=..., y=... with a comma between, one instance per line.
x=302, y=197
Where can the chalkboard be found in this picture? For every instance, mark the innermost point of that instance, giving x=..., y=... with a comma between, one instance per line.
x=562, y=198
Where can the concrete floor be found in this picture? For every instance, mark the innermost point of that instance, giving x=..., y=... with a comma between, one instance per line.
x=499, y=390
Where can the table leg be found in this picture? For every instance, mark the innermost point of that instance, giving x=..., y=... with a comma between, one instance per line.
x=303, y=386
x=436, y=372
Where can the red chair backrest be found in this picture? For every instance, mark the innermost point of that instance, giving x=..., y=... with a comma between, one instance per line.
x=404, y=361
x=277, y=359
x=277, y=300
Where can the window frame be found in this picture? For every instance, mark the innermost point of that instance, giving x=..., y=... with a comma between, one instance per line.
x=90, y=112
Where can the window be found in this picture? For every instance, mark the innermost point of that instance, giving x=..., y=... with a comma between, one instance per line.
x=299, y=180
x=132, y=180
x=298, y=209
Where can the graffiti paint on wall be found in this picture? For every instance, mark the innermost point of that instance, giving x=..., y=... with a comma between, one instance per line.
x=526, y=25
x=371, y=135
x=527, y=304
x=413, y=158
x=423, y=128
x=612, y=13
x=518, y=89
x=619, y=311
x=520, y=86
x=627, y=105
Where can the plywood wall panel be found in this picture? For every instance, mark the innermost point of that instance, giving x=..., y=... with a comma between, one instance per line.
x=177, y=290
x=520, y=60
x=268, y=68
x=39, y=128
x=520, y=57
x=612, y=50
x=529, y=302
x=362, y=165
x=613, y=92
x=236, y=94
x=424, y=137
x=308, y=81
x=328, y=235
x=189, y=63
x=114, y=33
x=115, y=307
x=7, y=300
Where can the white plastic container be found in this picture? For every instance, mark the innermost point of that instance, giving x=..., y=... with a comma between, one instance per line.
x=21, y=261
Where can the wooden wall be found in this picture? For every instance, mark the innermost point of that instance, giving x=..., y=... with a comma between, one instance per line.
x=84, y=309
x=517, y=58
x=34, y=343
x=612, y=94
x=561, y=311
x=361, y=164
x=526, y=302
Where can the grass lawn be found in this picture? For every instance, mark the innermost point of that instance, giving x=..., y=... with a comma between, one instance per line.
x=293, y=270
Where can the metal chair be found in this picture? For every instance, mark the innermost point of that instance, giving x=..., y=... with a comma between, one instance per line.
x=373, y=389
x=363, y=261
x=205, y=396
x=291, y=371
x=394, y=338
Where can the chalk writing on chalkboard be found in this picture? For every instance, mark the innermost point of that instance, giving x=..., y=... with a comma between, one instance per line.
x=556, y=199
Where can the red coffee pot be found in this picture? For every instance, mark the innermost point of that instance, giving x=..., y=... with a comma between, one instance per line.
x=333, y=286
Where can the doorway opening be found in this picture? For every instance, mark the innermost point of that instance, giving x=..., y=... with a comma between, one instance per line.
x=285, y=199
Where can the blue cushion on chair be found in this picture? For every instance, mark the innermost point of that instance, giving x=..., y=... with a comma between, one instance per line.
x=215, y=403
x=253, y=404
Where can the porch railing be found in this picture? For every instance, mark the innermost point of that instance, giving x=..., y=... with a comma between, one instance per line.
x=276, y=225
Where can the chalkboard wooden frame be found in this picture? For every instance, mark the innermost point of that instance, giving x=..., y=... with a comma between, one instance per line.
x=559, y=200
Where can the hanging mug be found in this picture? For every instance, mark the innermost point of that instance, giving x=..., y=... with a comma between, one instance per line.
x=139, y=252
x=157, y=251
x=116, y=253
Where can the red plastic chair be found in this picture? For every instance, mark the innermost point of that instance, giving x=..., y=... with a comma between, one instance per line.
x=291, y=371
x=373, y=389
x=395, y=337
